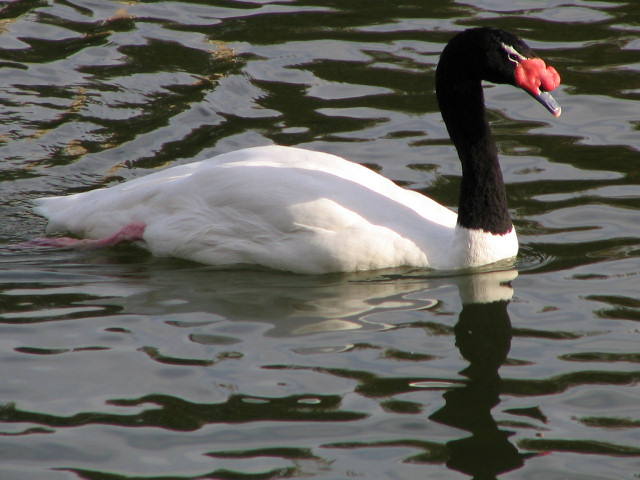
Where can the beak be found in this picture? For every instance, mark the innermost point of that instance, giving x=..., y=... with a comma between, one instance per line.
x=537, y=79
x=546, y=99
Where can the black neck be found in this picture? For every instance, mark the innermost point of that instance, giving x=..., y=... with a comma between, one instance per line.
x=483, y=202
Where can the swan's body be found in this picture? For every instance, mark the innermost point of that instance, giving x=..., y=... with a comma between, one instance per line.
x=310, y=212
x=281, y=207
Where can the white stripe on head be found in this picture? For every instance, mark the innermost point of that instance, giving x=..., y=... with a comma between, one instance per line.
x=513, y=54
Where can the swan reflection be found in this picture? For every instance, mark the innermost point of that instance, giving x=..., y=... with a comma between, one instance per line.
x=483, y=336
x=208, y=350
x=369, y=302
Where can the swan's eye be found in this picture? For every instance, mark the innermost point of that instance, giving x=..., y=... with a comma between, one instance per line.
x=512, y=54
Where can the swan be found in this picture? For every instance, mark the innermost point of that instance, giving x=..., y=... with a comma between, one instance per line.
x=308, y=212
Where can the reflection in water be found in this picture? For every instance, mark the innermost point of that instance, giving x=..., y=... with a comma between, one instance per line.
x=483, y=335
x=183, y=349
x=308, y=306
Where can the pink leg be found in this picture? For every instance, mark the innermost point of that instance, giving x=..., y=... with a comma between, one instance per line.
x=130, y=233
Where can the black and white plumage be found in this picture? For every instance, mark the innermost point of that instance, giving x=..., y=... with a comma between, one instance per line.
x=310, y=212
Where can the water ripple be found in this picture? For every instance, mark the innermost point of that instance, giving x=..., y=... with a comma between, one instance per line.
x=120, y=365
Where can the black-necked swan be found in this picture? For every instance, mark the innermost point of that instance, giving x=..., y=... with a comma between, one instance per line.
x=310, y=212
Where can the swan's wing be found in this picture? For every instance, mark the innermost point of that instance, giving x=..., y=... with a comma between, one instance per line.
x=281, y=207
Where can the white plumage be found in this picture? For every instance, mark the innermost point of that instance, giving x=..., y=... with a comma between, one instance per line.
x=280, y=207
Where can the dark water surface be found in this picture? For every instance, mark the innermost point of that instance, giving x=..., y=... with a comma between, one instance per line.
x=117, y=365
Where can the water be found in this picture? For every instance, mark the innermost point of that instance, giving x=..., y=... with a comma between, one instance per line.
x=118, y=365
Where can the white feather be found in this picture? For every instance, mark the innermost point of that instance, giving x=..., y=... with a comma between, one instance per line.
x=284, y=208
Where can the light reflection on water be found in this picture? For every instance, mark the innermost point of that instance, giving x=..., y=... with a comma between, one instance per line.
x=118, y=365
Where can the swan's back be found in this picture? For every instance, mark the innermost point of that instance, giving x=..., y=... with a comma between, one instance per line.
x=280, y=207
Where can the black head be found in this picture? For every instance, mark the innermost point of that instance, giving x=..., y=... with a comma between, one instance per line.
x=504, y=52
x=484, y=54
x=496, y=56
